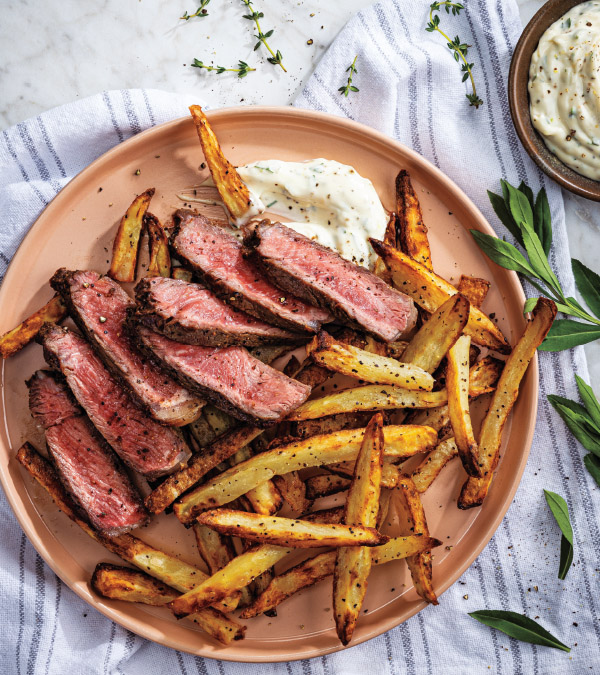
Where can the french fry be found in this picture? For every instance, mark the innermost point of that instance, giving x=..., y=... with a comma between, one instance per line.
x=123, y=583
x=395, y=349
x=420, y=563
x=475, y=489
x=369, y=397
x=293, y=490
x=430, y=291
x=181, y=273
x=288, y=532
x=325, y=485
x=429, y=469
x=127, y=240
x=180, y=481
x=202, y=431
x=327, y=425
x=360, y=364
x=264, y=498
x=411, y=231
x=474, y=289
x=342, y=446
x=390, y=473
x=390, y=238
x=321, y=566
x=14, y=340
x=457, y=386
x=159, y=264
x=353, y=564
x=232, y=190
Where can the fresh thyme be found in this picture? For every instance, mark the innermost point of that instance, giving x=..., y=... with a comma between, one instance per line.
x=242, y=68
x=349, y=86
x=276, y=58
x=458, y=48
x=200, y=12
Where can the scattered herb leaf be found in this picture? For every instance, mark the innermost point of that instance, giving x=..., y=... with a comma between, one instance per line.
x=200, y=12
x=592, y=464
x=348, y=87
x=560, y=511
x=276, y=58
x=242, y=68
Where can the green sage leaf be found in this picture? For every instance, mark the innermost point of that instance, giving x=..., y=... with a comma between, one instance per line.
x=502, y=253
x=519, y=206
x=591, y=403
x=537, y=258
x=588, y=283
x=578, y=423
x=503, y=212
x=519, y=627
x=542, y=221
x=566, y=333
x=560, y=511
x=592, y=464
x=530, y=303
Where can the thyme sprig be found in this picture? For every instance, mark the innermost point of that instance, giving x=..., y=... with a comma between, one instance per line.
x=457, y=47
x=200, y=12
x=276, y=58
x=242, y=68
x=349, y=86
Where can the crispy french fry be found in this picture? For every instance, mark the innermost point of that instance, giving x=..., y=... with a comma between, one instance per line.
x=420, y=563
x=159, y=264
x=219, y=420
x=293, y=490
x=474, y=289
x=457, y=386
x=288, y=532
x=180, y=481
x=395, y=349
x=475, y=489
x=327, y=425
x=202, y=431
x=390, y=238
x=14, y=340
x=342, y=446
x=411, y=231
x=361, y=364
x=369, y=397
x=390, y=473
x=232, y=190
x=430, y=291
x=123, y=583
x=127, y=239
x=264, y=498
x=181, y=273
x=325, y=485
x=353, y=564
x=429, y=469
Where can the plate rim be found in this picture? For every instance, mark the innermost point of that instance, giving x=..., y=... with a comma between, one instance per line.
x=229, y=653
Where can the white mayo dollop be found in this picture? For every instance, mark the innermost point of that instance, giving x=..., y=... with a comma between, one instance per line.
x=325, y=200
x=564, y=88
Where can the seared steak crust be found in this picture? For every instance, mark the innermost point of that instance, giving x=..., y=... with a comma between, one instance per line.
x=98, y=305
x=88, y=468
x=142, y=443
x=321, y=276
x=189, y=313
x=215, y=255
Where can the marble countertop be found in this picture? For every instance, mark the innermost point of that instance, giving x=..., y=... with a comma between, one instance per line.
x=61, y=50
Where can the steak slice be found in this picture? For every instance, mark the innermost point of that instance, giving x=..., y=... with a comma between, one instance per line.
x=321, y=276
x=142, y=443
x=216, y=256
x=88, y=468
x=98, y=305
x=230, y=378
x=192, y=314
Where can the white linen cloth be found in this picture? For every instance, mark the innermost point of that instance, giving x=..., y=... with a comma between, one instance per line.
x=409, y=89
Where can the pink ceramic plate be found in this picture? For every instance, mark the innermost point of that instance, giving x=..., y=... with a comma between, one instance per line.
x=76, y=231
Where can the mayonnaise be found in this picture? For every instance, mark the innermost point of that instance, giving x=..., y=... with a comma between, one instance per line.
x=324, y=200
x=564, y=88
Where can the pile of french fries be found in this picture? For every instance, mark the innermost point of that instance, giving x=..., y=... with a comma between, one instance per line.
x=249, y=494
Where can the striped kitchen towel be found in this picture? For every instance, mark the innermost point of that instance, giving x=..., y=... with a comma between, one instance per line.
x=410, y=89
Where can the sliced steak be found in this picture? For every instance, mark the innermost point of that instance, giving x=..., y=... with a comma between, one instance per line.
x=88, y=468
x=192, y=314
x=231, y=378
x=142, y=443
x=216, y=256
x=98, y=305
x=321, y=276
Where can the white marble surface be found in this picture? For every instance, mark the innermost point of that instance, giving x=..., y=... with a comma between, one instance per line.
x=59, y=50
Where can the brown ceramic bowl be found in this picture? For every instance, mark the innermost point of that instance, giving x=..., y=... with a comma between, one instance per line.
x=518, y=97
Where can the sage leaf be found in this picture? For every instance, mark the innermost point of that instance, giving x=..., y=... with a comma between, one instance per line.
x=591, y=403
x=527, y=191
x=542, y=221
x=519, y=627
x=566, y=333
x=519, y=206
x=578, y=424
x=592, y=464
x=530, y=303
x=537, y=258
x=560, y=511
x=588, y=284
x=503, y=212
x=502, y=253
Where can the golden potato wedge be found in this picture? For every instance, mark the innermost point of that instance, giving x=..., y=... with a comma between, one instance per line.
x=411, y=231
x=123, y=583
x=362, y=365
x=385, y=499
x=327, y=425
x=390, y=238
x=264, y=498
x=293, y=490
x=429, y=469
x=475, y=489
x=395, y=349
x=201, y=431
x=127, y=241
x=159, y=264
x=353, y=564
x=430, y=291
x=409, y=503
x=181, y=273
x=457, y=386
x=232, y=190
x=342, y=446
x=390, y=473
x=474, y=289
x=14, y=340
x=325, y=485
x=199, y=465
